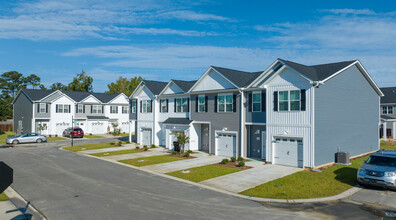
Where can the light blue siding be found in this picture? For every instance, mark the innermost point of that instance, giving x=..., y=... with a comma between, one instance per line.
x=346, y=116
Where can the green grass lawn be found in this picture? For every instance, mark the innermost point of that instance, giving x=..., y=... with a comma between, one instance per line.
x=306, y=184
x=56, y=139
x=119, y=152
x=3, y=197
x=89, y=147
x=93, y=136
x=150, y=160
x=385, y=145
x=198, y=174
x=4, y=136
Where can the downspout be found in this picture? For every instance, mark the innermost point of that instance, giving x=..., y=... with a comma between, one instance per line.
x=315, y=84
x=242, y=117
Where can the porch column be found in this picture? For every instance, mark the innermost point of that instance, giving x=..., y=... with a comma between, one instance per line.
x=384, y=131
x=130, y=132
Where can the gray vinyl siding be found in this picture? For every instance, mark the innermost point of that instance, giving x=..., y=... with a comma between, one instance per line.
x=346, y=116
x=23, y=110
x=218, y=121
x=46, y=114
x=253, y=117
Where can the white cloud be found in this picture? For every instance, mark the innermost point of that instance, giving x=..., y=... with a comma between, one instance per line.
x=348, y=11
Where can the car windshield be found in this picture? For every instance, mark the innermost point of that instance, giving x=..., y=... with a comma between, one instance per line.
x=382, y=161
x=77, y=129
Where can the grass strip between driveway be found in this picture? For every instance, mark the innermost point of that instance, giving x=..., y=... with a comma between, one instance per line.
x=4, y=136
x=387, y=146
x=3, y=197
x=145, y=161
x=89, y=147
x=119, y=152
x=198, y=174
x=93, y=136
x=56, y=139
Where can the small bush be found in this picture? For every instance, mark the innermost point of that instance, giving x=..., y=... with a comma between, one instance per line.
x=189, y=151
x=240, y=158
x=153, y=146
x=233, y=159
x=127, y=142
x=137, y=147
x=90, y=134
x=182, y=152
x=50, y=135
x=224, y=161
x=112, y=143
x=186, y=154
x=119, y=143
x=2, y=132
x=241, y=164
x=145, y=148
x=174, y=152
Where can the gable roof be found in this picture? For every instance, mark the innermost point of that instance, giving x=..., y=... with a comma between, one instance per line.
x=184, y=85
x=105, y=97
x=178, y=121
x=37, y=94
x=239, y=78
x=389, y=95
x=76, y=96
x=155, y=86
x=317, y=72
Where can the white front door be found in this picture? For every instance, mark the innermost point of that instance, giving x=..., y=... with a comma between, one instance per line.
x=226, y=144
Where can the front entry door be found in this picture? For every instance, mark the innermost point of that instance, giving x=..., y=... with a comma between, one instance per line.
x=205, y=138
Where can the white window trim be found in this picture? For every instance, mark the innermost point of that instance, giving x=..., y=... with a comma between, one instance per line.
x=387, y=109
x=299, y=101
x=225, y=102
x=146, y=108
x=41, y=107
x=80, y=107
x=124, y=109
x=113, y=109
x=261, y=98
x=163, y=105
x=134, y=102
x=98, y=109
x=288, y=101
x=182, y=107
x=204, y=103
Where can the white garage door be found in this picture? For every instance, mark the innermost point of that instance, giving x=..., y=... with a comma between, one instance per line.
x=226, y=145
x=146, y=136
x=97, y=128
x=60, y=127
x=288, y=151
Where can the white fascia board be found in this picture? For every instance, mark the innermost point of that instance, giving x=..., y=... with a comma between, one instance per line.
x=167, y=86
x=139, y=87
x=213, y=91
x=56, y=91
x=262, y=75
x=90, y=95
x=298, y=73
x=205, y=74
x=63, y=94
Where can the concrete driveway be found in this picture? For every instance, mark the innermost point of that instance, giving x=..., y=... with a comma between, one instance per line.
x=377, y=196
x=243, y=180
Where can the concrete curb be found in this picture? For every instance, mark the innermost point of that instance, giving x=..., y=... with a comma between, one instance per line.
x=11, y=193
x=342, y=195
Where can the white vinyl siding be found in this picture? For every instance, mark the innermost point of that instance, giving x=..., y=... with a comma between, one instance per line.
x=201, y=104
x=225, y=103
x=256, y=102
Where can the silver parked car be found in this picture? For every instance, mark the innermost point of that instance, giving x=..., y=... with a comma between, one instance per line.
x=379, y=170
x=26, y=138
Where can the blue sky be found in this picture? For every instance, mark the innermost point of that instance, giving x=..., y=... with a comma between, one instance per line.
x=162, y=40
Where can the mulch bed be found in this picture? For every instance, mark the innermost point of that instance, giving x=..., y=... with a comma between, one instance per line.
x=234, y=165
x=181, y=156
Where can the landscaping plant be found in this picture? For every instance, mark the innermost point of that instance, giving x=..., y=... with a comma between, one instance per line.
x=182, y=138
x=119, y=143
x=127, y=142
x=153, y=146
x=116, y=130
x=56, y=135
x=233, y=159
x=137, y=147
x=224, y=161
x=145, y=148
x=187, y=154
x=241, y=164
x=174, y=152
x=189, y=151
x=112, y=143
x=240, y=158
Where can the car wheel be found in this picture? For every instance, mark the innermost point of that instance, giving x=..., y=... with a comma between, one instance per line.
x=15, y=142
x=39, y=140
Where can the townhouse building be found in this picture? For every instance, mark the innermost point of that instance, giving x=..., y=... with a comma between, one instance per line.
x=388, y=113
x=53, y=111
x=290, y=114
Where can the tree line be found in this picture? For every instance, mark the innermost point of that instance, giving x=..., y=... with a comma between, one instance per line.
x=11, y=82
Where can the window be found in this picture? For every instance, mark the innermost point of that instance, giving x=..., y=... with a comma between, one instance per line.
x=96, y=109
x=256, y=102
x=133, y=106
x=284, y=101
x=225, y=103
x=181, y=104
x=66, y=109
x=146, y=106
x=113, y=109
x=164, y=105
x=201, y=104
x=124, y=109
x=60, y=108
x=387, y=110
x=293, y=103
x=43, y=108
x=80, y=108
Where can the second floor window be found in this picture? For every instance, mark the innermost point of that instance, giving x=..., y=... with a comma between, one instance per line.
x=201, y=104
x=284, y=101
x=181, y=105
x=96, y=109
x=80, y=108
x=43, y=108
x=164, y=105
x=113, y=109
x=289, y=100
x=386, y=110
x=124, y=109
x=61, y=108
x=256, y=102
x=225, y=103
x=133, y=106
x=146, y=106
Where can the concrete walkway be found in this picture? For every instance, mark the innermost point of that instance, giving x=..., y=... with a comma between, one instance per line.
x=201, y=160
x=243, y=180
x=9, y=211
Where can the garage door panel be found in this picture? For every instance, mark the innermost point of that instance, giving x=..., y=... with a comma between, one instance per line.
x=289, y=152
x=146, y=137
x=226, y=145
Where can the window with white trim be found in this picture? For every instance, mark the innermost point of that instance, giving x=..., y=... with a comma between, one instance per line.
x=133, y=107
x=225, y=103
x=124, y=109
x=80, y=108
x=289, y=100
x=201, y=104
x=181, y=104
x=113, y=109
x=163, y=105
x=43, y=108
x=96, y=109
x=61, y=108
x=146, y=106
x=295, y=100
x=66, y=109
x=256, y=102
x=387, y=110
x=283, y=98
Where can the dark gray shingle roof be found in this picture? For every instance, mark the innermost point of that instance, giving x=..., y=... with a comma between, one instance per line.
x=76, y=96
x=184, y=85
x=239, y=78
x=155, y=86
x=389, y=95
x=178, y=121
x=318, y=72
x=97, y=117
x=105, y=97
x=37, y=94
x=386, y=117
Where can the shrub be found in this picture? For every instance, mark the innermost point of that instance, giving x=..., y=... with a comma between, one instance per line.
x=145, y=148
x=240, y=158
x=186, y=155
x=90, y=134
x=112, y=143
x=224, y=161
x=189, y=151
x=137, y=147
x=233, y=159
x=50, y=135
x=241, y=164
x=2, y=132
x=174, y=152
x=153, y=146
x=127, y=142
x=119, y=143
x=182, y=152
x=56, y=135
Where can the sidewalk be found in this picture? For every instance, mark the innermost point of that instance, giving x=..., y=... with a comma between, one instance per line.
x=9, y=211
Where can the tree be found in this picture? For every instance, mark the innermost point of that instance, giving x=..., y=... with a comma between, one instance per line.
x=182, y=138
x=58, y=86
x=32, y=80
x=42, y=87
x=82, y=82
x=116, y=130
x=123, y=85
x=11, y=82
